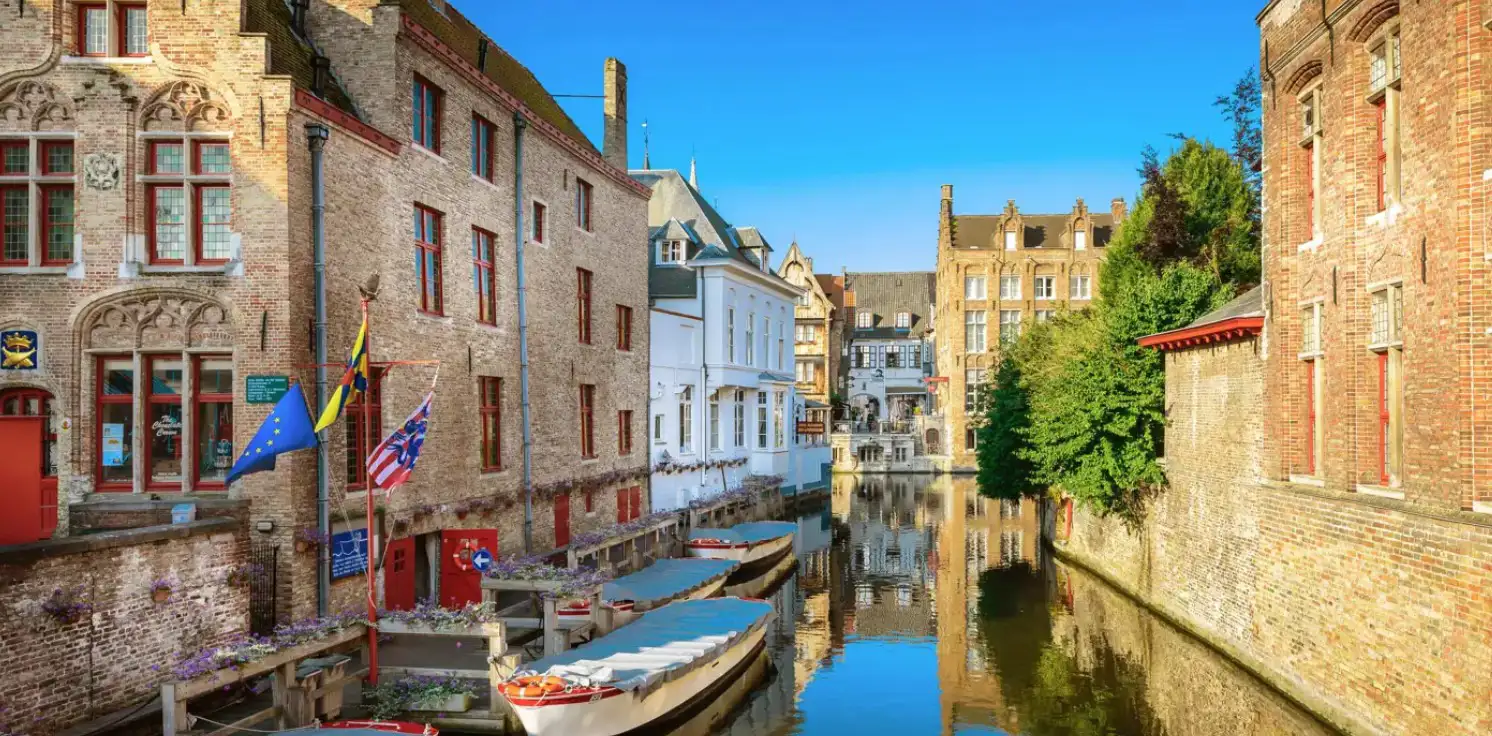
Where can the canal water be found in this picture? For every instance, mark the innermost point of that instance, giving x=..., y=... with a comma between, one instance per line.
x=918, y=607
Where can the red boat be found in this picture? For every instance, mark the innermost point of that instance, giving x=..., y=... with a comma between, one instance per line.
x=369, y=728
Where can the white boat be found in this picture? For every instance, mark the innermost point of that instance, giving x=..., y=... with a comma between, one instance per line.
x=643, y=675
x=656, y=585
x=748, y=543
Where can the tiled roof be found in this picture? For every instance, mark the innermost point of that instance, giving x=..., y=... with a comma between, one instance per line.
x=289, y=54
x=887, y=294
x=1248, y=304
x=833, y=287
x=1042, y=231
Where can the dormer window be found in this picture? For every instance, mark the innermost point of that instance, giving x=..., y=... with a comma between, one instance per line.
x=671, y=251
x=1080, y=240
x=863, y=320
x=112, y=29
x=903, y=320
x=1009, y=240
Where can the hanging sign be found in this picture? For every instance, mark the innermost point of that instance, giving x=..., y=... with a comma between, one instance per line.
x=349, y=553
x=19, y=350
x=265, y=389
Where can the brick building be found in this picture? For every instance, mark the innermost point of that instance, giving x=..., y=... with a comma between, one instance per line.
x=158, y=252
x=996, y=273
x=818, y=333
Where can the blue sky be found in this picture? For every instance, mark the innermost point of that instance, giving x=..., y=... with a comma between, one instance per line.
x=836, y=122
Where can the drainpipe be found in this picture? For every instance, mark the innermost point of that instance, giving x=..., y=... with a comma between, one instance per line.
x=519, y=124
x=704, y=367
x=316, y=135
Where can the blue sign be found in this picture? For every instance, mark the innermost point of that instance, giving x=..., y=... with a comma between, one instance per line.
x=349, y=553
x=20, y=350
x=481, y=559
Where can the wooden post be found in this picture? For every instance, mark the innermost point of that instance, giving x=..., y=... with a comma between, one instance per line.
x=497, y=646
x=169, y=722
x=284, y=675
x=553, y=641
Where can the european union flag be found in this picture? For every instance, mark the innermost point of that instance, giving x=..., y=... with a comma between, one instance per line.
x=287, y=428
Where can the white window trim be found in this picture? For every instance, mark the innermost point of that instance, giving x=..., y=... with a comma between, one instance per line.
x=664, y=246
x=1051, y=282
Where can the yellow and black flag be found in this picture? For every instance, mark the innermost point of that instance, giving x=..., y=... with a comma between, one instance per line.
x=354, y=380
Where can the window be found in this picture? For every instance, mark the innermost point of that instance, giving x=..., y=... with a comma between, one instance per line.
x=537, y=225
x=427, y=258
x=115, y=413
x=491, y=411
x=865, y=356
x=583, y=195
x=173, y=187
x=93, y=30
x=1079, y=286
x=483, y=276
x=1310, y=114
x=1045, y=287
x=658, y=429
x=1010, y=286
x=781, y=341
x=32, y=402
x=893, y=358
x=178, y=454
x=134, y=30
x=740, y=419
x=583, y=304
x=624, y=432
x=623, y=327
x=761, y=420
x=766, y=335
x=1384, y=64
x=671, y=251
x=45, y=178
x=1387, y=316
x=213, y=421
x=974, y=288
x=806, y=334
x=806, y=371
x=426, y=118
x=1387, y=342
x=587, y=421
x=973, y=386
x=1080, y=240
x=971, y=440
x=714, y=421
x=686, y=420
x=974, y=336
x=1009, y=240
x=122, y=32
x=1310, y=329
x=1010, y=325
x=163, y=446
x=778, y=410
x=363, y=429
x=899, y=454
x=730, y=333
x=751, y=338
x=864, y=320
x=1045, y=315
x=482, y=138
x=903, y=320
x=1313, y=426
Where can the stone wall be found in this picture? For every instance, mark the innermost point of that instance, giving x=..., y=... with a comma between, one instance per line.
x=57, y=675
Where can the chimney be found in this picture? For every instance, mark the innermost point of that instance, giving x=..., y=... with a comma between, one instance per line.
x=1118, y=209
x=614, y=145
x=947, y=199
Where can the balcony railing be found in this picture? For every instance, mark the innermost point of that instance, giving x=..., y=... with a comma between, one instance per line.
x=874, y=427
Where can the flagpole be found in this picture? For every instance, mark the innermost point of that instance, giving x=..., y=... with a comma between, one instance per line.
x=368, y=498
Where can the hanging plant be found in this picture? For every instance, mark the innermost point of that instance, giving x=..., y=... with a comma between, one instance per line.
x=244, y=574
x=462, y=509
x=160, y=590
x=67, y=606
x=310, y=538
x=401, y=527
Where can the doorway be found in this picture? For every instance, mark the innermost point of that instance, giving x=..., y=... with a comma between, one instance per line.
x=35, y=402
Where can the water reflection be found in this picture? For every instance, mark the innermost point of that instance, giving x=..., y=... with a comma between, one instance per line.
x=914, y=606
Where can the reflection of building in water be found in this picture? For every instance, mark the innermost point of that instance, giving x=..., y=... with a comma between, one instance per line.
x=888, y=541
x=776, y=703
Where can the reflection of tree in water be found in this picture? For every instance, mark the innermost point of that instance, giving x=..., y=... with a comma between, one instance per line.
x=1044, y=686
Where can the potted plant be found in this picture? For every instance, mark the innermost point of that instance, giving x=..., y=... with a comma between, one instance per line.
x=160, y=590
x=310, y=538
x=421, y=693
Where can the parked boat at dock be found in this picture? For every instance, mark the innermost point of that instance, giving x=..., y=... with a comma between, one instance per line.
x=750, y=543
x=642, y=675
x=657, y=585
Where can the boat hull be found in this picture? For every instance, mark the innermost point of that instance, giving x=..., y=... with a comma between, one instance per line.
x=620, y=712
x=745, y=553
x=630, y=611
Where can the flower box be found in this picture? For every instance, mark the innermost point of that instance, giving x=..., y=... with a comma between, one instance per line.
x=449, y=704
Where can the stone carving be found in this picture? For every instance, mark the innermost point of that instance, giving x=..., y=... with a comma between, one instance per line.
x=183, y=105
x=33, y=105
x=157, y=319
x=101, y=171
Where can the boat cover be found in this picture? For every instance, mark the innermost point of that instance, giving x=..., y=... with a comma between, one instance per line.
x=751, y=532
x=665, y=580
x=659, y=646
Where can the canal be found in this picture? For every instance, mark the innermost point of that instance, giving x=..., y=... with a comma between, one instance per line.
x=919, y=607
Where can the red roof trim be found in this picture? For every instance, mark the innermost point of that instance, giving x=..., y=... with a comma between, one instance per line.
x=325, y=110
x=438, y=48
x=1224, y=331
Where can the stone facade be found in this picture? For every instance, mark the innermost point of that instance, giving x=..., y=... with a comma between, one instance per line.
x=996, y=273
x=817, y=338
x=245, y=74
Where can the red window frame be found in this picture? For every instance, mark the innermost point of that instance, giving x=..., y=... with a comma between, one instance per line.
x=490, y=408
x=481, y=265
x=44, y=152
x=425, y=120
x=196, y=162
x=81, y=28
x=1383, y=418
x=360, y=408
x=6, y=146
x=562, y=519
x=198, y=399
x=150, y=212
x=583, y=304
x=590, y=501
x=1310, y=436
x=623, y=328
x=1381, y=113
x=150, y=158
x=584, y=192
x=624, y=432
x=539, y=210
x=29, y=235
x=1310, y=187
x=198, y=213
x=483, y=137
x=121, y=29
x=427, y=242
x=587, y=420
x=152, y=398
x=47, y=192
x=99, y=400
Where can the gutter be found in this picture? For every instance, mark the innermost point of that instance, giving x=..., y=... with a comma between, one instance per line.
x=519, y=125
x=316, y=135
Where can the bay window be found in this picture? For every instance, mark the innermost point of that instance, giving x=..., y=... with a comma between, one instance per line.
x=189, y=200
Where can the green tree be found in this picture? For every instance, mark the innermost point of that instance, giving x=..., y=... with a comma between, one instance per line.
x=1003, y=470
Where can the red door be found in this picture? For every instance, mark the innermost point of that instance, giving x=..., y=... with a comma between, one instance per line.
x=398, y=576
x=460, y=581
x=622, y=505
x=636, y=502
x=20, y=480
x=34, y=402
x=562, y=519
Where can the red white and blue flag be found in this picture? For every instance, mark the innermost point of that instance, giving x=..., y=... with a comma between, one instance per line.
x=393, y=460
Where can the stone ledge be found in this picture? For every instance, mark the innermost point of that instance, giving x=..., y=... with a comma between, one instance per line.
x=18, y=554
x=1471, y=518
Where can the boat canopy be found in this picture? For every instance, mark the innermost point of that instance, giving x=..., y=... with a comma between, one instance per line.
x=749, y=533
x=665, y=580
x=659, y=646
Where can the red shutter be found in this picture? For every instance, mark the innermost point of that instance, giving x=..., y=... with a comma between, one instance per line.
x=1310, y=438
x=562, y=519
x=636, y=501
x=1383, y=417
x=621, y=505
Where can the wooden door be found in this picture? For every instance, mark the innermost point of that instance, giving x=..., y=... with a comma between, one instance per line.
x=398, y=575
x=20, y=480
x=460, y=581
x=561, y=519
x=34, y=402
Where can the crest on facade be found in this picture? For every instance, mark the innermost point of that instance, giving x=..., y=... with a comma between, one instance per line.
x=34, y=105
x=101, y=171
x=183, y=105
x=20, y=350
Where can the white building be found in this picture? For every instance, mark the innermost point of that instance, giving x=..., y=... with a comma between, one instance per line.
x=722, y=397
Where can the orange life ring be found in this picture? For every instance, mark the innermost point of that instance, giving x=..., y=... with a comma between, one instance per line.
x=533, y=686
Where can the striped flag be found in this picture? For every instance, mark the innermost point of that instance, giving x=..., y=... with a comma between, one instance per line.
x=393, y=460
x=354, y=380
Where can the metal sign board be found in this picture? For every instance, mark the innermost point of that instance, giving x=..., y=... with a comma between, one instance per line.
x=265, y=389
x=349, y=553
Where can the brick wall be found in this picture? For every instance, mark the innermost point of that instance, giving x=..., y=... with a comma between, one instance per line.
x=58, y=674
x=1371, y=611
